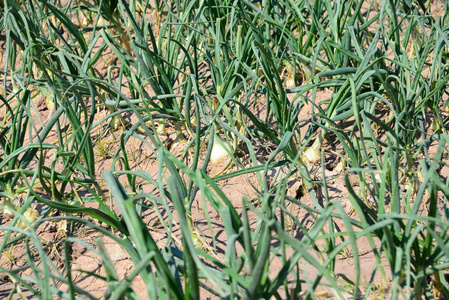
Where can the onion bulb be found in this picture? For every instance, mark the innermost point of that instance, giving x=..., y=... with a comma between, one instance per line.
x=30, y=215
x=219, y=152
x=160, y=129
x=8, y=209
x=313, y=153
x=180, y=141
x=290, y=81
x=116, y=122
x=436, y=125
x=50, y=104
x=341, y=166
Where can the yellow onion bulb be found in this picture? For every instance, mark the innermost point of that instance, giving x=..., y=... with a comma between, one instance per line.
x=30, y=215
x=313, y=153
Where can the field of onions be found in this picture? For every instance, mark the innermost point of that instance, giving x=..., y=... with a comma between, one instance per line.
x=234, y=149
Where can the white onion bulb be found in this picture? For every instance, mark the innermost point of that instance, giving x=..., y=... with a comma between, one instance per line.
x=219, y=152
